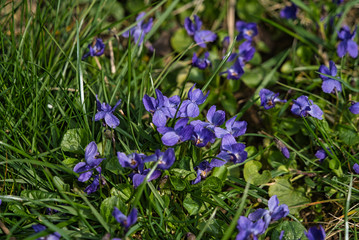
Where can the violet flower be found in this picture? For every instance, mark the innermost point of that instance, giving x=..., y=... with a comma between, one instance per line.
x=354, y=108
x=140, y=30
x=230, y=151
x=246, y=30
x=315, y=233
x=180, y=133
x=269, y=98
x=161, y=108
x=321, y=154
x=329, y=84
x=289, y=12
x=165, y=159
x=250, y=230
x=94, y=185
x=133, y=160
x=92, y=161
x=274, y=213
x=95, y=50
x=201, y=63
x=105, y=111
x=245, y=53
x=203, y=170
x=39, y=228
x=304, y=107
x=347, y=44
x=233, y=127
x=138, y=178
x=356, y=168
x=125, y=221
x=201, y=136
x=200, y=36
x=189, y=108
x=214, y=118
x=235, y=72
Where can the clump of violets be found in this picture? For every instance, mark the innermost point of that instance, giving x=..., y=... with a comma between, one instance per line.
x=274, y=213
x=96, y=49
x=39, y=228
x=347, y=44
x=329, y=85
x=354, y=108
x=105, y=111
x=125, y=221
x=140, y=30
x=269, y=98
x=246, y=30
x=200, y=36
x=304, y=107
x=289, y=12
x=201, y=63
x=315, y=233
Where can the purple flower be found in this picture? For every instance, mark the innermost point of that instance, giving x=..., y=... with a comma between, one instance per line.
x=200, y=36
x=246, y=30
x=201, y=63
x=249, y=230
x=92, y=161
x=133, y=160
x=180, y=133
x=202, y=171
x=235, y=72
x=321, y=154
x=274, y=213
x=201, y=136
x=140, y=30
x=245, y=53
x=138, y=178
x=230, y=151
x=165, y=159
x=354, y=108
x=269, y=98
x=337, y=1
x=93, y=186
x=289, y=12
x=329, y=84
x=303, y=106
x=233, y=127
x=214, y=118
x=95, y=50
x=161, y=108
x=347, y=45
x=105, y=111
x=356, y=168
x=124, y=220
x=189, y=108
x=39, y=228
x=315, y=233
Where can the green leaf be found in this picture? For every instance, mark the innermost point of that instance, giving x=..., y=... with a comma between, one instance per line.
x=182, y=173
x=61, y=184
x=70, y=162
x=74, y=140
x=212, y=184
x=287, y=194
x=348, y=135
x=177, y=183
x=252, y=175
x=191, y=205
x=17, y=209
x=180, y=40
x=252, y=78
x=220, y=172
x=108, y=205
x=292, y=231
x=124, y=193
x=37, y=194
x=113, y=165
x=215, y=228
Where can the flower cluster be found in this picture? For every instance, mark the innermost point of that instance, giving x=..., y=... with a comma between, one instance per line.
x=257, y=222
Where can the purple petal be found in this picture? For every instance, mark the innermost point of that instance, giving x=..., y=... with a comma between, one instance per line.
x=356, y=168
x=137, y=180
x=159, y=119
x=100, y=115
x=342, y=48
x=192, y=110
x=273, y=202
x=329, y=85
x=170, y=139
x=149, y=103
x=111, y=120
x=352, y=48
x=85, y=176
x=132, y=217
x=257, y=214
x=118, y=215
x=316, y=112
x=354, y=108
